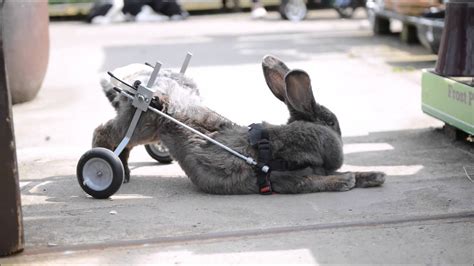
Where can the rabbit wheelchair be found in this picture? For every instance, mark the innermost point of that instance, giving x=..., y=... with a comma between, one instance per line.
x=100, y=171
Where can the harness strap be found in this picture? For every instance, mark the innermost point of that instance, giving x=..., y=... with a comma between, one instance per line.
x=264, y=157
x=260, y=139
x=281, y=165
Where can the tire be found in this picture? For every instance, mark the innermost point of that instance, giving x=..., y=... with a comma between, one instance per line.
x=345, y=12
x=159, y=152
x=293, y=10
x=409, y=34
x=100, y=173
x=379, y=25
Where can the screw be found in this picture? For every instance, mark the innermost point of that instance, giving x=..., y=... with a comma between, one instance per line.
x=136, y=84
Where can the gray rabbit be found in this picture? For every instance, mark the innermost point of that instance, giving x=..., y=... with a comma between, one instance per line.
x=310, y=142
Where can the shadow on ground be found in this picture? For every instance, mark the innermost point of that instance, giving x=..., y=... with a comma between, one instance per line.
x=426, y=151
x=171, y=212
x=420, y=164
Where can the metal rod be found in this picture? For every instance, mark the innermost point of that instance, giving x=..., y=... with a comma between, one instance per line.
x=154, y=75
x=249, y=160
x=124, y=93
x=185, y=63
x=128, y=136
x=121, y=81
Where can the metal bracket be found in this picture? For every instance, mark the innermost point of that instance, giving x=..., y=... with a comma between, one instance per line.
x=129, y=133
x=141, y=100
x=154, y=74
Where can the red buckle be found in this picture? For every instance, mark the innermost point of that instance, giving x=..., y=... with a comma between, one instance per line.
x=266, y=190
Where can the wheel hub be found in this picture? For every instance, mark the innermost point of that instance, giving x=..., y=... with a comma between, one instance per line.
x=97, y=174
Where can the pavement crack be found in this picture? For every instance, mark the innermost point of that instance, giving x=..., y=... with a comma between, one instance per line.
x=216, y=236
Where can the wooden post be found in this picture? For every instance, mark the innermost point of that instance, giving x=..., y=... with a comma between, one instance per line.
x=456, y=52
x=11, y=219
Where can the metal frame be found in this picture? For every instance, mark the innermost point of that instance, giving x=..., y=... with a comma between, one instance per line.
x=141, y=99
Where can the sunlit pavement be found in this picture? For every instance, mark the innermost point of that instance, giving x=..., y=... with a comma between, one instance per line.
x=423, y=214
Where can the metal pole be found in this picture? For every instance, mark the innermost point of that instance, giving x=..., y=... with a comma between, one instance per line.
x=248, y=160
x=185, y=63
x=11, y=220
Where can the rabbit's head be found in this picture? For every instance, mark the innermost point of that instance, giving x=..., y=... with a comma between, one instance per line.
x=293, y=87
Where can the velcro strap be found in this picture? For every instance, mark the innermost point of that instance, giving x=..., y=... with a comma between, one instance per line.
x=264, y=151
x=264, y=157
x=259, y=138
x=282, y=165
x=255, y=134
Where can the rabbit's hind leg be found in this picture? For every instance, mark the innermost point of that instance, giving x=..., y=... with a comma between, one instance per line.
x=314, y=183
x=104, y=137
x=124, y=158
x=369, y=179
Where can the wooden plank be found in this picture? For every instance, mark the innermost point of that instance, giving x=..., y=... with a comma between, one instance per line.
x=11, y=219
x=410, y=7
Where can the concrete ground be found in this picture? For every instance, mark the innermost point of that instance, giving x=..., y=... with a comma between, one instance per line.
x=424, y=213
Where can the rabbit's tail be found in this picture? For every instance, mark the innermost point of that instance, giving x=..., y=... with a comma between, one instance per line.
x=369, y=179
x=110, y=93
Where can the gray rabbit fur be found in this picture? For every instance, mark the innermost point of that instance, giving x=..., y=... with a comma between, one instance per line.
x=311, y=138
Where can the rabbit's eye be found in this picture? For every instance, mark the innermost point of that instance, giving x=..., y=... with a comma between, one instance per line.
x=330, y=123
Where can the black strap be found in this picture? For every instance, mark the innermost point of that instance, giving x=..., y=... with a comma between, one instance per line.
x=260, y=139
x=264, y=157
x=255, y=134
x=282, y=165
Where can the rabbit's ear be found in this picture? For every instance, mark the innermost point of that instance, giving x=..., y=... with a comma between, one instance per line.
x=299, y=92
x=274, y=71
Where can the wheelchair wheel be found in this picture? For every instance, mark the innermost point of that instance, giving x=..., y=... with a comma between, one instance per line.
x=159, y=152
x=100, y=173
x=293, y=10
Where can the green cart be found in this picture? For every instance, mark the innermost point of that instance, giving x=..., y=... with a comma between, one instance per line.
x=448, y=99
x=448, y=90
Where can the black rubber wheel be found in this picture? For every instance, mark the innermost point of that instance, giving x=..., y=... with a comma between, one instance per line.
x=409, y=34
x=293, y=10
x=100, y=173
x=159, y=152
x=379, y=25
x=345, y=12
